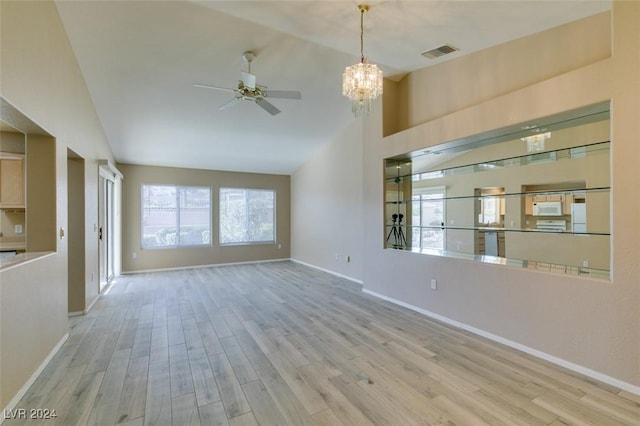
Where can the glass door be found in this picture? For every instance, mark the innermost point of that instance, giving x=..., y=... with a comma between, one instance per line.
x=105, y=231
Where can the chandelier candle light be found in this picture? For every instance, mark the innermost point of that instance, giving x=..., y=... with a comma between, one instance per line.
x=362, y=82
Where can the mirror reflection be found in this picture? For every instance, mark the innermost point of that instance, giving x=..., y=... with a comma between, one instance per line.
x=535, y=195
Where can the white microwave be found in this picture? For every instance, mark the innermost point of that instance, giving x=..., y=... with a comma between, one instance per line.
x=547, y=208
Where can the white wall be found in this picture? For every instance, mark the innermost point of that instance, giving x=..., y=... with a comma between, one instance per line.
x=588, y=325
x=326, y=217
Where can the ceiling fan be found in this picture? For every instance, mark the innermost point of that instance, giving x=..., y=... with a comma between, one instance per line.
x=248, y=90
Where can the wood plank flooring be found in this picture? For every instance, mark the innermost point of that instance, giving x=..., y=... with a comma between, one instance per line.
x=283, y=344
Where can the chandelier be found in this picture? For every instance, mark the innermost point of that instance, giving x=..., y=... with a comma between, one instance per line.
x=362, y=82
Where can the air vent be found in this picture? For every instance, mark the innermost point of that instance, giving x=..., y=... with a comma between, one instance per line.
x=439, y=51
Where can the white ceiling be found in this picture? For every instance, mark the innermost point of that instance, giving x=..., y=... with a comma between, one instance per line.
x=141, y=58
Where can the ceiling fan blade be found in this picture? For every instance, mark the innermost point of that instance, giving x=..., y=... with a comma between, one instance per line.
x=248, y=79
x=284, y=94
x=206, y=86
x=228, y=105
x=267, y=106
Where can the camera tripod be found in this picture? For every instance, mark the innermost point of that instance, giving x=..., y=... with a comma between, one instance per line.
x=396, y=230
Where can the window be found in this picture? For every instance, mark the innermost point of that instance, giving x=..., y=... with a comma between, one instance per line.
x=428, y=218
x=175, y=216
x=247, y=215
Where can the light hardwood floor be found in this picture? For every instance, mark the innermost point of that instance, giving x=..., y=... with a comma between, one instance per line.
x=283, y=344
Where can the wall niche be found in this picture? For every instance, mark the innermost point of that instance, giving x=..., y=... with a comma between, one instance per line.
x=534, y=195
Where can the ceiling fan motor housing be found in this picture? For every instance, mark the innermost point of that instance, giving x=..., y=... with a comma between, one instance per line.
x=248, y=56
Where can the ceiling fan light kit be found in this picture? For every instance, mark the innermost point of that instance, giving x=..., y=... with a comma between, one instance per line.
x=362, y=82
x=248, y=90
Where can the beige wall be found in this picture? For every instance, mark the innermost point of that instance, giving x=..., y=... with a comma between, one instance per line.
x=12, y=142
x=41, y=79
x=135, y=176
x=43, y=195
x=326, y=221
x=452, y=86
x=75, y=236
x=592, y=326
x=30, y=321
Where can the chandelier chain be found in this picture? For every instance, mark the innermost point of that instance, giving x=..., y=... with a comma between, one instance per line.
x=362, y=11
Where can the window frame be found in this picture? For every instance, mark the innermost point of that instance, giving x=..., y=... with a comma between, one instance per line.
x=177, y=245
x=220, y=215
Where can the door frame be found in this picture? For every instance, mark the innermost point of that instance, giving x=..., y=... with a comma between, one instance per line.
x=109, y=187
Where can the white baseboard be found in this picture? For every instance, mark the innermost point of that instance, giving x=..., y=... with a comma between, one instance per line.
x=106, y=287
x=531, y=351
x=93, y=302
x=328, y=271
x=23, y=390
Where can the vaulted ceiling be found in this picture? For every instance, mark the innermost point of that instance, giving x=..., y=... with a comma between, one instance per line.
x=140, y=60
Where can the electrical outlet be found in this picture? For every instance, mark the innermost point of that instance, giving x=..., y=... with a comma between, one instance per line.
x=279, y=246
x=337, y=257
x=585, y=263
x=134, y=255
x=18, y=229
x=434, y=284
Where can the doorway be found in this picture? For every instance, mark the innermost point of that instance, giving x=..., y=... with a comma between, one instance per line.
x=428, y=217
x=489, y=214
